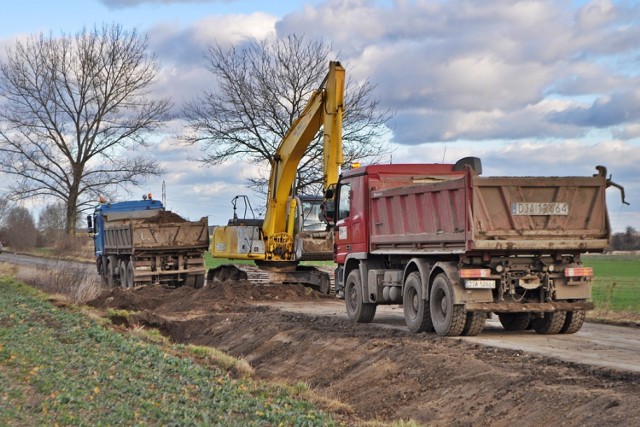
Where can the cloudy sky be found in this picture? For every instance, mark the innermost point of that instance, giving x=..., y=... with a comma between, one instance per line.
x=530, y=87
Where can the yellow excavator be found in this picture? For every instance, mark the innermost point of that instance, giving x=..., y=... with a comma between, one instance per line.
x=289, y=231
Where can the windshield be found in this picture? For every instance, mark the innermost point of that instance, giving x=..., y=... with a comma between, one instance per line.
x=311, y=216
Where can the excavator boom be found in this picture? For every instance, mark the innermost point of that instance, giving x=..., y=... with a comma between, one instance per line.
x=324, y=109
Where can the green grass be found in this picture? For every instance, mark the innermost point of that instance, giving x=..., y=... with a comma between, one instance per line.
x=616, y=284
x=60, y=367
x=211, y=262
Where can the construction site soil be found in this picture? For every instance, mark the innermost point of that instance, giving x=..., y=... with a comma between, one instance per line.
x=380, y=373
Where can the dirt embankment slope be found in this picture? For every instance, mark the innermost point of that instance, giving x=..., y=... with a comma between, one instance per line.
x=382, y=373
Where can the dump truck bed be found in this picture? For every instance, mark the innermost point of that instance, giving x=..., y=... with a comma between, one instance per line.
x=464, y=212
x=149, y=230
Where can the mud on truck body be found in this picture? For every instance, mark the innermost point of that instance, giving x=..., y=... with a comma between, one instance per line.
x=452, y=246
x=139, y=243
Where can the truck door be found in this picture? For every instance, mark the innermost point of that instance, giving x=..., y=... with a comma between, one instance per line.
x=351, y=232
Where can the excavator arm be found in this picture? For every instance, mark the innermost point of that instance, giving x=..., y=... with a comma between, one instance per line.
x=324, y=109
x=271, y=243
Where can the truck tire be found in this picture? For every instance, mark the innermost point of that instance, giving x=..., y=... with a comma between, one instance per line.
x=123, y=273
x=573, y=322
x=448, y=319
x=474, y=324
x=514, y=321
x=417, y=315
x=112, y=272
x=131, y=282
x=357, y=309
x=551, y=323
x=199, y=281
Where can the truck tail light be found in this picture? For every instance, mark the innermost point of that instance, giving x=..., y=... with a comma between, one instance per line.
x=470, y=273
x=578, y=272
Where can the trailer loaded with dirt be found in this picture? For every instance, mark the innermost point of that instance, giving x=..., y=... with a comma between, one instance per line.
x=452, y=246
x=139, y=243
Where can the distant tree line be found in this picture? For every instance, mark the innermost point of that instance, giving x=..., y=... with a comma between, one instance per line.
x=19, y=230
x=629, y=240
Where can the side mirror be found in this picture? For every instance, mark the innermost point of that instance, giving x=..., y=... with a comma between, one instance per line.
x=89, y=223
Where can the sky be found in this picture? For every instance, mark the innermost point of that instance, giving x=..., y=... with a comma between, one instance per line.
x=533, y=88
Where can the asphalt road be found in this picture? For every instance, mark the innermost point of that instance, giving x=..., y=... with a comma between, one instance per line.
x=21, y=259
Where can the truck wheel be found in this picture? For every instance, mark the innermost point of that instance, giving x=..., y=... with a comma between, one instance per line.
x=416, y=310
x=123, y=274
x=357, y=309
x=573, y=322
x=474, y=324
x=514, y=321
x=448, y=319
x=112, y=270
x=130, y=275
x=199, y=281
x=551, y=323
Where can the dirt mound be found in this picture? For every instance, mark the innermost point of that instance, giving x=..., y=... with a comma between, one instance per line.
x=383, y=373
x=214, y=296
x=164, y=217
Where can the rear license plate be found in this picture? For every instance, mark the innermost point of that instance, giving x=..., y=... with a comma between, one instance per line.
x=540, y=208
x=480, y=284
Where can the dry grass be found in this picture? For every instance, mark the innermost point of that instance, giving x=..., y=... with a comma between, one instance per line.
x=615, y=317
x=226, y=362
x=72, y=284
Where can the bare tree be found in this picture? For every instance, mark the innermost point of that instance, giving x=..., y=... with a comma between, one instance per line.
x=75, y=113
x=260, y=89
x=19, y=229
x=4, y=210
x=52, y=223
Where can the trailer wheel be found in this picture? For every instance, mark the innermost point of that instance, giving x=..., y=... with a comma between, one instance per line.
x=514, y=321
x=573, y=322
x=474, y=323
x=448, y=319
x=551, y=323
x=417, y=315
x=357, y=309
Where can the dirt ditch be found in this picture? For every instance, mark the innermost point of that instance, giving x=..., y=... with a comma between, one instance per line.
x=384, y=374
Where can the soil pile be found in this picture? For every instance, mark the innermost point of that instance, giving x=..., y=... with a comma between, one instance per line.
x=381, y=373
x=165, y=217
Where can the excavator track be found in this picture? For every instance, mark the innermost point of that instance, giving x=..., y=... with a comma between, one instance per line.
x=318, y=278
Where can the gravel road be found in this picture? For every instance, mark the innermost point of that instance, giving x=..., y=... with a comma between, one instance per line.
x=595, y=344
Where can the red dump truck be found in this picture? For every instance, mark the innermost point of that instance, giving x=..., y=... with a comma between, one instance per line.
x=452, y=246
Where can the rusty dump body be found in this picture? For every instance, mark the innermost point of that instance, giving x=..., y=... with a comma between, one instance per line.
x=447, y=243
x=153, y=231
x=140, y=243
x=465, y=213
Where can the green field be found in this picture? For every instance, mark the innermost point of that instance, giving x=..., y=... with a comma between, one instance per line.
x=65, y=367
x=616, y=284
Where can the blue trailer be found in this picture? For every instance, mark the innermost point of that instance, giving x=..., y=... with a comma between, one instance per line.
x=139, y=243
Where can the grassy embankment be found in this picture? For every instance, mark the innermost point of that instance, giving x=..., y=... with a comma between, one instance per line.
x=616, y=286
x=70, y=367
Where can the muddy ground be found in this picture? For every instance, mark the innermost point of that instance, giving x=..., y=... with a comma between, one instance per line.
x=381, y=373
